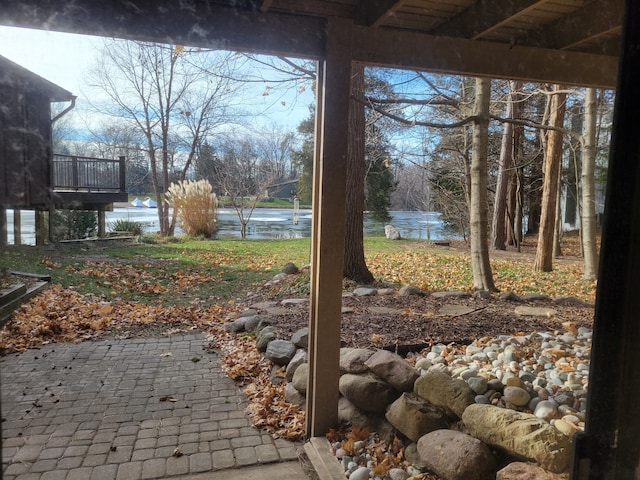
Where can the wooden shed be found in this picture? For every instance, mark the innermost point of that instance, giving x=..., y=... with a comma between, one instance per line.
x=34, y=178
x=573, y=42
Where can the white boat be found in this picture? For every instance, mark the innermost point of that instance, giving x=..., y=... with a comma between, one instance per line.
x=137, y=203
x=150, y=203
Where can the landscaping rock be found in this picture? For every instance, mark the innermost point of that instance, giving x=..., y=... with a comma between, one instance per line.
x=365, y=292
x=535, y=311
x=391, y=232
x=367, y=392
x=280, y=352
x=409, y=290
x=352, y=360
x=454, y=455
x=298, y=359
x=526, y=471
x=255, y=323
x=451, y=294
x=349, y=413
x=300, y=377
x=451, y=394
x=520, y=434
x=300, y=338
x=415, y=416
x=293, y=396
x=264, y=336
x=393, y=369
x=290, y=268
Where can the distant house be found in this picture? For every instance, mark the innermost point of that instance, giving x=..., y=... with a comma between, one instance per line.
x=31, y=176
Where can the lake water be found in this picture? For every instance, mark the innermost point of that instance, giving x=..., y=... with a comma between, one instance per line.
x=265, y=223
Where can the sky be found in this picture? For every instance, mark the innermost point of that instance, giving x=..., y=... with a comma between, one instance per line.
x=65, y=59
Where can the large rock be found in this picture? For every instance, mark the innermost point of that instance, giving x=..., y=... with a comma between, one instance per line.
x=392, y=368
x=409, y=290
x=391, y=232
x=290, y=268
x=349, y=413
x=526, y=471
x=454, y=455
x=352, y=360
x=415, y=417
x=367, y=392
x=293, y=396
x=521, y=435
x=300, y=377
x=298, y=359
x=452, y=394
x=280, y=352
x=300, y=338
x=255, y=323
x=264, y=336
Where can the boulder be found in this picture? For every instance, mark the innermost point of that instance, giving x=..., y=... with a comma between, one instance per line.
x=451, y=394
x=290, y=268
x=392, y=368
x=521, y=435
x=415, y=417
x=300, y=338
x=298, y=359
x=391, y=232
x=455, y=455
x=255, y=323
x=352, y=360
x=300, y=377
x=280, y=352
x=367, y=392
x=365, y=292
x=264, y=336
x=526, y=471
x=349, y=413
x=293, y=396
x=409, y=290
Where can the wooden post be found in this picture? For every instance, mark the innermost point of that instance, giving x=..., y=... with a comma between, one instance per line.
x=609, y=449
x=102, y=222
x=328, y=229
x=41, y=230
x=3, y=227
x=17, y=226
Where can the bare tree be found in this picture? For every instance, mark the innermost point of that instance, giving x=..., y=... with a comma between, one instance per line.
x=588, y=217
x=553, y=156
x=168, y=95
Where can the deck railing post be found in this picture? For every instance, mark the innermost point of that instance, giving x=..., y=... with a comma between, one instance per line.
x=122, y=173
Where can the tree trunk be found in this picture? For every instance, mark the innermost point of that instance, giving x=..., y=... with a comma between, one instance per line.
x=508, y=152
x=588, y=220
x=355, y=266
x=482, y=275
x=553, y=159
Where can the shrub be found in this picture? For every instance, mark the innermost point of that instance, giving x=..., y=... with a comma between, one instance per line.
x=74, y=224
x=125, y=225
x=196, y=204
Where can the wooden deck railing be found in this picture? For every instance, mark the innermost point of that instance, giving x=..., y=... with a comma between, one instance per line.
x=85, y=174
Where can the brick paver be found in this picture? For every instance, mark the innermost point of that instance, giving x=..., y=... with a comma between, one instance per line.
x=125, y=409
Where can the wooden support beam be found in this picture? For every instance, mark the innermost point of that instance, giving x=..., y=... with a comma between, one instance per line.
x=371, y=13
x=41, y=228
x=17, y=226
x=3, y=227
x=328, y=230
x=481, y=58
x=190, y=23
x=609, y=448
x=483, y=17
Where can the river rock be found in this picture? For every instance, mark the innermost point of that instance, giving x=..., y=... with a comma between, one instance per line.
x=352, y=360
x=280, y=352
x=517, y=396
x=392, y=368
x=521, y=435
x=391, y=232
x=415, y=417
x=367, y=392
x=451, y=394
x=454, y=455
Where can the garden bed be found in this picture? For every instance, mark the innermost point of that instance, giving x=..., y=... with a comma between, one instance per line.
x=18, y=287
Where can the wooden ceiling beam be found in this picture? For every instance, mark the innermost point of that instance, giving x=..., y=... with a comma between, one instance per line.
x=482, y=58
x=371, y=13
x=188, y=23
x=598, y=18
x=483, y=17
